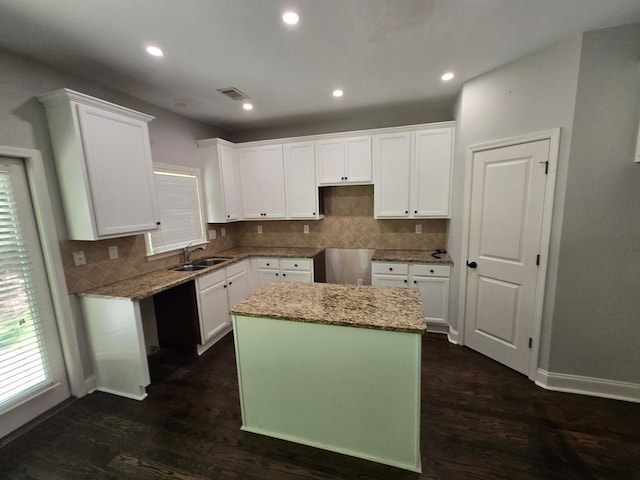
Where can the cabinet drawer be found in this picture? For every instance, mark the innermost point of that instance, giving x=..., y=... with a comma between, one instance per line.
x=268, y=263
x=301, y=264
x=392, y=268
x=431, y=270
x=236, y=268
x=210, y=279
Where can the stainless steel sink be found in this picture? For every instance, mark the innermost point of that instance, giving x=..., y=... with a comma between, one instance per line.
x=208, y=262
x=189, y=268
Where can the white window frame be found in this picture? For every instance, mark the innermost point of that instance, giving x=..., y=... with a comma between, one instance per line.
x=153, y=250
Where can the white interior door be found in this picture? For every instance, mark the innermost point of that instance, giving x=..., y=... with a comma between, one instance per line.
x=32, y=372
x=505, y=226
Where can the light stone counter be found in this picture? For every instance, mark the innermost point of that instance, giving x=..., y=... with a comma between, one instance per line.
x=380, y=308
x=411, y=256
x=148, y=284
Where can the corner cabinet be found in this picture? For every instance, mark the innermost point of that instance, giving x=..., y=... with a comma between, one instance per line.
x=412, y=173
x=103, y=159
x=344, y=161
x=221, y=178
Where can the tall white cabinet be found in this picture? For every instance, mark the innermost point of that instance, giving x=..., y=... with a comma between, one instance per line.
x=300, y=175
x=262, y=178
x=221, y=179
x=103, y=159
x=412, y=173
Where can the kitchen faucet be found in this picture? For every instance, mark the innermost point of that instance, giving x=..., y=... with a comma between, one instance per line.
x=188, y=250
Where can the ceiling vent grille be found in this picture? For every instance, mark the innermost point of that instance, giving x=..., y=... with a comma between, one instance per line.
x=233, y=93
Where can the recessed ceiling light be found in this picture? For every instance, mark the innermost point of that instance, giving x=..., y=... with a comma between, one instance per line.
x=247, y=106
x=155, y=51
x=447, y=76
x=290, y=18
x=338, y=93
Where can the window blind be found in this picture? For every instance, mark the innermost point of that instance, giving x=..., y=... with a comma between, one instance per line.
x=181, y=218
x=23, y=363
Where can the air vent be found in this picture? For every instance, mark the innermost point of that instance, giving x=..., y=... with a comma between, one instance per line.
x=233, y=93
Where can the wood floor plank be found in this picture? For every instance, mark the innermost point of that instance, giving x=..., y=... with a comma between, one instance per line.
x=479, y=420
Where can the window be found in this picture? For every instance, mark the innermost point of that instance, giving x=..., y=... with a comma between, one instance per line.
x=180, y=202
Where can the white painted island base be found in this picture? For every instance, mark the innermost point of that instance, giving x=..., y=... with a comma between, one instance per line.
x=350, y=390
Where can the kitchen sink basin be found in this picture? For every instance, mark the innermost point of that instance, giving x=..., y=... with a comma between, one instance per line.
x=189, y=268
x=208, y=262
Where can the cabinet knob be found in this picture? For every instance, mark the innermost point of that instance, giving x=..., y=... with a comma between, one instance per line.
x=284, y=274
x=228, y=216
x=224, y=286
x=230, y=283
x=313, y=213
x=268, y=264
x=157, y=223
x=415, y=211
x=405, y=281
x=406, y=211
x=277, y=274
x=295, y=264
x=415, y=281
x=431, y=271
x=391, y=269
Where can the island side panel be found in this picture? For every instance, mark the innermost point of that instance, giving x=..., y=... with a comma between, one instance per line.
x=114, y=330
x=350, y=390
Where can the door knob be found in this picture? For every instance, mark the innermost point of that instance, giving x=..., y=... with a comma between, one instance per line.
x=472, y=265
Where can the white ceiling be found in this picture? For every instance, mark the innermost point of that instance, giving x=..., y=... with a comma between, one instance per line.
x=383, y=53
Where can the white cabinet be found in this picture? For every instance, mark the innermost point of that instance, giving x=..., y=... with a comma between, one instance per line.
x=344, y=160
x=413, y=173
x=302, y=190
x=262, y=180
x=103, y=160
x=221, y=176
x=216, y=292
x=430, y=279
x=270, y=269
x=213, y=304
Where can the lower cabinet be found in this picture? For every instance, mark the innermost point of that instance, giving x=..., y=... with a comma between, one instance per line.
x=431, y=280
x=269, y=269
x=215, y=293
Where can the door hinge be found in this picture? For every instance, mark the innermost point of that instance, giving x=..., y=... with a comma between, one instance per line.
x=530, y=342
x=538, y=260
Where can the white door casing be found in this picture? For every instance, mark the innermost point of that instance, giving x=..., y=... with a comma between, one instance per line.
x=509, y=201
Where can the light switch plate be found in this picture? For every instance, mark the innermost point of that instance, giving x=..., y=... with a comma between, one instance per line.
x=223, y=231
x=306, y=229
x=259, y=228
x=113, y=253
x=418, y=228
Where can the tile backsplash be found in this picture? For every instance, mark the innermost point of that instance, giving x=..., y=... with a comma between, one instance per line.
x=348, y=223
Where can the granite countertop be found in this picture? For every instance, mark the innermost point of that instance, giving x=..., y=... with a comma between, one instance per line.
x=381, y=308
x=411, y=256
x=148, y=284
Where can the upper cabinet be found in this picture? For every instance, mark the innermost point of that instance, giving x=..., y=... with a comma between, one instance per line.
x=302, y=190
x=344, y=160
x=413, y=173
x=262, y=180
x=103, y=160
x=221, y=180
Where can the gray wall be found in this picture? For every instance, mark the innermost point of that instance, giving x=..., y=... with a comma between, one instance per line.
x=534, y=93
x=596, y=327
x=23, y=124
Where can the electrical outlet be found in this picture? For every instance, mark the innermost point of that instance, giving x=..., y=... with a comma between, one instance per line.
x=212, y=234
x=359, y=282
x=306, y=229
x=223, y=232
x=418, y=228
x=259, y=228
x=113, y=253
x=79, y=259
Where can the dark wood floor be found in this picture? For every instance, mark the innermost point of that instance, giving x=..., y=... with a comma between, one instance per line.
x=480, y=420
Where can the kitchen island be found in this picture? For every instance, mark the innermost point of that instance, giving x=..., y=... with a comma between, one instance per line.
x=334, y=367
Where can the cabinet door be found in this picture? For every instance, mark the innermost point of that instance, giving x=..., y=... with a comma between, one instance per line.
x=435, y=297
x=384, y=280
x=272, y=181
x=230, y=182
x=302, y=191
x=213, y=308
x=295, y=276
x=267, y=275
x=432, y=173
x=238, y=287
x=358, y=159
x=331, y=161
x=120, y=172
x=392, y=159
x=250, y=177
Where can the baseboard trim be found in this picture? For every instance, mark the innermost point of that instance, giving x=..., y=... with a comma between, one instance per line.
x=91, y=383
x=453, y=336
x=596, y=387
x=437, y=327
